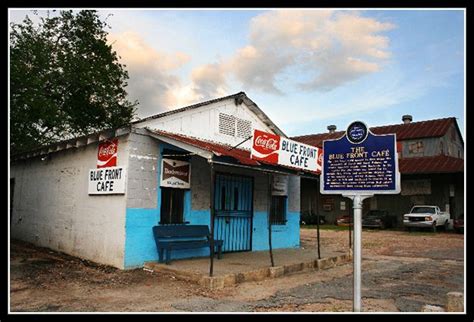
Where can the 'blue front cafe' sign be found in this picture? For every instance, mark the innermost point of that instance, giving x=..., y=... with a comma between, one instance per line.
x=360, y=163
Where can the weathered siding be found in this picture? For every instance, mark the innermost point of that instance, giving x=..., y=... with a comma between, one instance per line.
x=203, y=122
x=52, y=208
x=142, y=169
x=450, y=144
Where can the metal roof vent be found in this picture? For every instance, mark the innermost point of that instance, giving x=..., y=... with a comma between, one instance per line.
x=407, y=119
x=332, y=128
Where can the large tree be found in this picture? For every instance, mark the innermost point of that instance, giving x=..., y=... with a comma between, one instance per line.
x=65, y=80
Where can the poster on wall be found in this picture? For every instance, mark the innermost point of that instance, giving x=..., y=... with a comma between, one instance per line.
x=107, y=154
x=105, y=181
x=280, y=185
x=175, y=174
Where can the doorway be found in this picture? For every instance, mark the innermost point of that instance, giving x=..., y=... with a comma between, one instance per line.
x=233, y=204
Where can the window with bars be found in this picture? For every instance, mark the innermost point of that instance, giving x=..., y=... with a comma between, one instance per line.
x=172, y=205
x=278, y=210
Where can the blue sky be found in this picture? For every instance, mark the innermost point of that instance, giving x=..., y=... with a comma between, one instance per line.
x=305, y=68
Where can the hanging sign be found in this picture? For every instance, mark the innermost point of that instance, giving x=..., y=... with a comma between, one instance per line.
x=274, y=149
x=175, y=174
x=107, y=154
x=107, y=181
x=360, y=163
x=280, y=185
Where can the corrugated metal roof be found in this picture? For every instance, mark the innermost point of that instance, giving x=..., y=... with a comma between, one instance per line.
x=242, y=156
x=436, y=164
x=413, y=130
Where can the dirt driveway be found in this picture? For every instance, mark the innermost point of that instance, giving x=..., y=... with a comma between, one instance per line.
x=401, y=271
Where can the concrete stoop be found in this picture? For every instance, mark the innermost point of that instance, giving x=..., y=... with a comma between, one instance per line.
x=221, y=281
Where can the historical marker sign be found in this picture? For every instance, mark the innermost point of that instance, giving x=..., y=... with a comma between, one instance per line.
x=360, y=163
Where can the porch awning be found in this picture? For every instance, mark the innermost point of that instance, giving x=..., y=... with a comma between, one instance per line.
x=222, y=154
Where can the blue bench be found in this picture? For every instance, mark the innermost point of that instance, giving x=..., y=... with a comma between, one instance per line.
x=174, y=237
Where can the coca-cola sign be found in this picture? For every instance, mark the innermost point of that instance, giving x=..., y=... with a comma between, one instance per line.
x=274, y=149
x=265, y=146
x=107, y=154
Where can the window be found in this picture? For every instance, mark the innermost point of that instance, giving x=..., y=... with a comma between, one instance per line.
x=244, y=128
x=172, y=204
x=234, y=126
x=226, y=124
x=278, y=210
x=416, y=147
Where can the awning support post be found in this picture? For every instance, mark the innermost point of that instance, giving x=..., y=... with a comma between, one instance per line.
x=317, y=229
x=212, y=211
x=269, y=218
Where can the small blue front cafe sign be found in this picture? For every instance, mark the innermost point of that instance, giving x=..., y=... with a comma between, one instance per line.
x=360, y=162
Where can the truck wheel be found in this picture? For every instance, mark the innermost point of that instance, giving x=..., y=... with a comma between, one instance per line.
x=446, y=224
x=434, y=227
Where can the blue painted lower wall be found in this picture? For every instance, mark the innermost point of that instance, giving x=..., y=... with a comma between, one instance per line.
x=283, y=236
x=140, y=245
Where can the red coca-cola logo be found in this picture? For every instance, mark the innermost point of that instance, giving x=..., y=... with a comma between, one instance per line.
x=107, y=154
x=265, y=146
x=267, y=143
x=320, y=156
x=106, y=151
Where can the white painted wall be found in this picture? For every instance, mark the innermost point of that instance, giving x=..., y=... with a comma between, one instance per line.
x=52, y=208
x=203, y=122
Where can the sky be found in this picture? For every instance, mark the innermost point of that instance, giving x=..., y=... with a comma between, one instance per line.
x=305, y=68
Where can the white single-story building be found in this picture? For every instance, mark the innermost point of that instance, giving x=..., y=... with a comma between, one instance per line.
x=97, y=197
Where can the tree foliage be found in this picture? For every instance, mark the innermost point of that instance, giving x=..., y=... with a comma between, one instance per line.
x=65, y=80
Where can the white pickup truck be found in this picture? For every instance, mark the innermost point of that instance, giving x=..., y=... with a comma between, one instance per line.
x=426, y=217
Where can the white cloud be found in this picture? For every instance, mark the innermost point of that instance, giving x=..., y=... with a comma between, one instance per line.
x=208, y=81
x=336, y=47
x=152, y=81
x=329, y=48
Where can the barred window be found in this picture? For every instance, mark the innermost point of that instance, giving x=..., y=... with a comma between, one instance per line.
x=278, y=210
x=172, y=204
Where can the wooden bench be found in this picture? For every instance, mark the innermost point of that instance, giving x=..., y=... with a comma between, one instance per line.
x=174, y=237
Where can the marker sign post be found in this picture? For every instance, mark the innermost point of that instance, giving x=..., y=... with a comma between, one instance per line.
x=357, y=166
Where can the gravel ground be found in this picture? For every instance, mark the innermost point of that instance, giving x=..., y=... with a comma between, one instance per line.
x=401, y=272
